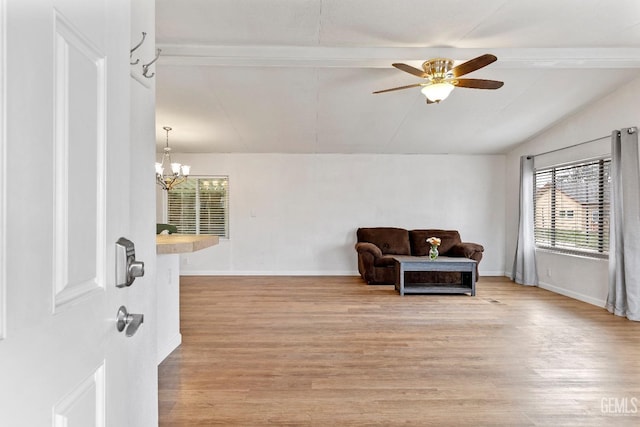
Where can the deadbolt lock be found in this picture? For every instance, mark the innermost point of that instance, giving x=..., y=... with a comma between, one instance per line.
x=127, y=268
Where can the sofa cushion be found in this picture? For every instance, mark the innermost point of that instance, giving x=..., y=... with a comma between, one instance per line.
x=420, y=247
x=390, y=240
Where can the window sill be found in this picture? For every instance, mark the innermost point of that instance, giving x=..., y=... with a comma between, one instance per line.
x=551, y=251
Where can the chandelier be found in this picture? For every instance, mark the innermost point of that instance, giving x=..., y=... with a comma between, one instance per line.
x=169, y=174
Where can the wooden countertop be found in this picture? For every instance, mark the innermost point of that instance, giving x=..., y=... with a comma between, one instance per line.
x=183, y=243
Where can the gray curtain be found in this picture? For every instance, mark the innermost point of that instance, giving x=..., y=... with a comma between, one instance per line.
x=524, y=263
x=624, y=231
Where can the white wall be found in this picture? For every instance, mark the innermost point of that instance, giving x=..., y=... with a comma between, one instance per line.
x=298, y=214
x=581, y=278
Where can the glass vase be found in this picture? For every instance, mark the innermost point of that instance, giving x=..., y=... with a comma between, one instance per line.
x=433, y=252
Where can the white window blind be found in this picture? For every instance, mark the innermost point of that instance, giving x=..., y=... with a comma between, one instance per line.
x=200, y=205
x=571, y=205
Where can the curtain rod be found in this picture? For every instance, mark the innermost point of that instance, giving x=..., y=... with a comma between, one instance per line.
x=570, y=146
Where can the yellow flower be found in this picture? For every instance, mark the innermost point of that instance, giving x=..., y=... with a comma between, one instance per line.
x=434, y=241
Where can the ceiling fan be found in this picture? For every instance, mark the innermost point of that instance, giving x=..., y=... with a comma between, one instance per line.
x=442, y=77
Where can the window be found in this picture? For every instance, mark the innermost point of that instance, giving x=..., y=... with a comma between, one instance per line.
x=200, y=205
x=565, y=214
x=571, y=205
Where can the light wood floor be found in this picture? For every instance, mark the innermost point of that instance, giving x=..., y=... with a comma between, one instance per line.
x=332, y=351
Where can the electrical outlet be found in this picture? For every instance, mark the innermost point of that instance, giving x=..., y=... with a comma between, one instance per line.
x=548, y=272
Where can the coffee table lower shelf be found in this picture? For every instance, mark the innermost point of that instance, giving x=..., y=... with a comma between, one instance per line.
x=435, y=288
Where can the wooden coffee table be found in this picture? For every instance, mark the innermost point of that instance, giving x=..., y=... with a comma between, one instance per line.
x=465, y=266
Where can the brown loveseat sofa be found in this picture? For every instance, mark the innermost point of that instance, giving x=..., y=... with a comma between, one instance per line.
x=377, y=245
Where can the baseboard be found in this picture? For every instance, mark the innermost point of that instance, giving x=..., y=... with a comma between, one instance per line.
x=492, y=273
x=169, y=347
x=294, y=273
x=266, y=273
x=572, y=294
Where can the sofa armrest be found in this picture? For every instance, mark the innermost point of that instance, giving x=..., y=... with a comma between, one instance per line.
x=368, y=253
x=467, y=250
x=366, y=247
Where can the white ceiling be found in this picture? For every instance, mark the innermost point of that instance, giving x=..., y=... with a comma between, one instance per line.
x=296, y=76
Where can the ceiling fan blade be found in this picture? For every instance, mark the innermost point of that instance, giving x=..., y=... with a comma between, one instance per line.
x=478, y=83
x=473, y=64
x=401, y=87
x=411, y=70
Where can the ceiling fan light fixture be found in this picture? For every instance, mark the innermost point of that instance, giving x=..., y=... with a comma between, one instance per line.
x=437, y=92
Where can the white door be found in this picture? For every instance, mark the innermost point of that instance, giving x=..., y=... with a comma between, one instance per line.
x=66, y=200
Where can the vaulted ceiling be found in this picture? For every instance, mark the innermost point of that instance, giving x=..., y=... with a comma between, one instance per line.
x=297, y=76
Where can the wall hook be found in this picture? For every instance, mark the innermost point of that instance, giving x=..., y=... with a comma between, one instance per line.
x=145, y=68
x=144, y=35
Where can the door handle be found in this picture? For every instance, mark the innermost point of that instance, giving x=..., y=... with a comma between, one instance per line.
x=131, y=321
x=127, y=268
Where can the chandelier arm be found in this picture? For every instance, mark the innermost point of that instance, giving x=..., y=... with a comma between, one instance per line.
x=160, y=182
